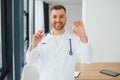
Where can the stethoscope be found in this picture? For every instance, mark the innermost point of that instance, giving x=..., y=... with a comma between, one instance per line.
x=70, y=52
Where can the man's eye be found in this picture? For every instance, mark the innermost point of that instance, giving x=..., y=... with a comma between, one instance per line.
x=61, y=16
x=54, y=17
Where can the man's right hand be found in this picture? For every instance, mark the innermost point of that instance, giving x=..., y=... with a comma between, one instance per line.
x=37, y=37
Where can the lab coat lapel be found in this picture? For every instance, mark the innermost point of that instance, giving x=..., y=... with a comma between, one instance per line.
x=63, y=46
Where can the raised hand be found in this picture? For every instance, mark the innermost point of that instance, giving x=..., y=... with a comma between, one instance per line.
x=80, y=31
x=37, y=37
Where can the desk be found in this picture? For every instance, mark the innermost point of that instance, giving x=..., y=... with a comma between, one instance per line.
x=91, y=71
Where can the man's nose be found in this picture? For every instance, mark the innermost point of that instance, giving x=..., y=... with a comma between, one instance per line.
x=58, y=19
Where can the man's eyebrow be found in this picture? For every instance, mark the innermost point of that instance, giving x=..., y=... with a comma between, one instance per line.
x=58, y=15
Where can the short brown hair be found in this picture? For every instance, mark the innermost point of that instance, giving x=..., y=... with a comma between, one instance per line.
x=57, y=7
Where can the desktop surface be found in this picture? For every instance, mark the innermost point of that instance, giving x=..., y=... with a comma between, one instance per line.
x=92, y=71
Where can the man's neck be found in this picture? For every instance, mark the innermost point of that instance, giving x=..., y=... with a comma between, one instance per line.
x=58, y=32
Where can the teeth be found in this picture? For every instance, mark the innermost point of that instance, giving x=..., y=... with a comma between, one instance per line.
x=58, y=23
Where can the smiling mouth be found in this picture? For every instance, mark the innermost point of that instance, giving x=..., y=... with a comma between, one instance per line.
x=59, y=23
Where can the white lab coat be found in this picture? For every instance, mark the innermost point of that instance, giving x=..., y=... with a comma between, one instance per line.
x=55, y=61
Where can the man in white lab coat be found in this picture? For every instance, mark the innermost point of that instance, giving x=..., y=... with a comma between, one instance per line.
x=58, y=51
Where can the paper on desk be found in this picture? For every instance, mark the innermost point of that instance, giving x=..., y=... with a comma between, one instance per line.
x=76, y=73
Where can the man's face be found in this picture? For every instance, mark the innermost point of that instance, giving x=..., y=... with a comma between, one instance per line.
x=58, y=19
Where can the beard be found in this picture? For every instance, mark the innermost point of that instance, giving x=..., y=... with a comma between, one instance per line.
x=58, y=25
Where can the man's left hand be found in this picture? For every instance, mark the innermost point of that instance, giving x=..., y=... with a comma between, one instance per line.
x=80, y=31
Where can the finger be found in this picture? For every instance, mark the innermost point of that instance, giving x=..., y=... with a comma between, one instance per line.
x=75, y=32
x=77, y=23
x=41, y=31
x=40, y=34
x=81, y=22
x=37, y=35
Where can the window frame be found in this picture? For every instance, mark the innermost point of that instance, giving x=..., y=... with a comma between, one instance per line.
x=6, y=38
x=12, y=39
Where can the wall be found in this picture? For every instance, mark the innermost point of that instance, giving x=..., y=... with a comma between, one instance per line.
x=102, y=23
x=74, y=12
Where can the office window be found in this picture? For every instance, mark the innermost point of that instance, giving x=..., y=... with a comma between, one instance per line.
x=11, y=39
x=0, y=39
x=0, y=49
x=26, y=27
x=6, y=40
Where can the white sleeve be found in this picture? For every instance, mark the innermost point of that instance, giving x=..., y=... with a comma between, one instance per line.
x=85, y=53
x=34, y=55
x=83, y=50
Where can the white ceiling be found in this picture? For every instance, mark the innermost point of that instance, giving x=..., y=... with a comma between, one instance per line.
x=63, y=1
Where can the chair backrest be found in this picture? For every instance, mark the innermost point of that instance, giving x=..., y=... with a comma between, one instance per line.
x=30, y=72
